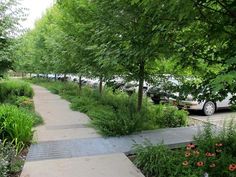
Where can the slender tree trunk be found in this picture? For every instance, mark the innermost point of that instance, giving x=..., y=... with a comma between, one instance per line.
x=80, y=83
x=140, y=88
x=55, y=77
x=30, y=75
x=100, y=85
x=64, y=78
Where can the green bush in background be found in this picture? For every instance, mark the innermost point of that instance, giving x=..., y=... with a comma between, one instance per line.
x=9, y=90
x=168, y=116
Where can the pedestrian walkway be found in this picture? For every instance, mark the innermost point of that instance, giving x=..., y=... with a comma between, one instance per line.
x=67, y=146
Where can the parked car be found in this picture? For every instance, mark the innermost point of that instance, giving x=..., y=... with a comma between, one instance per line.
x=115, y=83
x=208, y=107
x=163, y=90
x=132, y=87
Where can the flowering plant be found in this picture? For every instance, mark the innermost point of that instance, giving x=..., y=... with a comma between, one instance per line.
x=216, y=162
x=213, y=154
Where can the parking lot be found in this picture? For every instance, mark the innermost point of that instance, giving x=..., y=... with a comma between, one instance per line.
x=217, y=119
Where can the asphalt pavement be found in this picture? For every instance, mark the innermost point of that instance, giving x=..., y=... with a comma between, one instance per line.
x=220, y=117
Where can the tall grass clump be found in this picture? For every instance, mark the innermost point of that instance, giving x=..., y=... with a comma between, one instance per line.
x=10, y=89
x=16, y=124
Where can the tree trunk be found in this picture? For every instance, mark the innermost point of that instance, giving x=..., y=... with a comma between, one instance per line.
x=140, y=88
x=100, y=85
x=55, y=77
x=64, y=78
x=80, y=83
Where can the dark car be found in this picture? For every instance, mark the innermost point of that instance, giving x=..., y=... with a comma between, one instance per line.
x=162, y=91
x=115, y=84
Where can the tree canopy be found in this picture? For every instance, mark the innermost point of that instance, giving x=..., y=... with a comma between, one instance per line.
x=137, y=39
x=10, y=15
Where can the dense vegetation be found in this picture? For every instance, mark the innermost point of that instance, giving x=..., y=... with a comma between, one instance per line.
x=213, y=154
x=115, y=114
x=137, y=39
x=17, y=118
x=10, y=15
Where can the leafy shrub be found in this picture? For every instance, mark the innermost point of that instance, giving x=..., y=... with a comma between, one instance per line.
x=7, y=154
x=15, y=124
x=82, y=104
x=169, y=116
x=69, y=89
x=155, y=160
x=228, y=137
x=11, y=89
x=104, y=119
x=24, y=102
x=213, y=153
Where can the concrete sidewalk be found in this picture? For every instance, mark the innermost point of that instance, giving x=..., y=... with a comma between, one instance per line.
x=63, y=124
x=67, y=147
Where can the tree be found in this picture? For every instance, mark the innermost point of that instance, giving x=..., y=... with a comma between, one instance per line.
x=207, y=45
x=134, y=35
x=10, y=15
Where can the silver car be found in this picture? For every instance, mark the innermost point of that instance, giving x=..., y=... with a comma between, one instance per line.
x=207, y=107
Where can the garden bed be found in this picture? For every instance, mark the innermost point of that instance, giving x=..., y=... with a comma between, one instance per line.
x=115, y=114
x=17, y=119
x=213, y=155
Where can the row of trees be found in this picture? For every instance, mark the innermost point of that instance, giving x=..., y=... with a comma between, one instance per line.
x=136, y=39
x=10, y=16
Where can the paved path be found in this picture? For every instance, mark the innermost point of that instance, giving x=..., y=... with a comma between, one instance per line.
x=66, y=146
x=219, y=118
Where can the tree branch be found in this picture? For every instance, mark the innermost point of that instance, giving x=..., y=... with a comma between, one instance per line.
x=230, y=12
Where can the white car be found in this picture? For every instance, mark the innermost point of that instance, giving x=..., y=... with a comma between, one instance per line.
x=133, y=86
x=207, y=107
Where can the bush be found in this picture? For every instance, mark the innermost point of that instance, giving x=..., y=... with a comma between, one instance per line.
x=11, y=89
x=155, y=160
x=16, y=124
x=213, y=153
x=7, y=155
x=24, y=102
x=169, y=116
x=122, y=121
x=82, y=104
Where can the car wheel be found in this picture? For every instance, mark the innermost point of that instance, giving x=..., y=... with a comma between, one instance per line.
x=156, y=100
x=209, y=108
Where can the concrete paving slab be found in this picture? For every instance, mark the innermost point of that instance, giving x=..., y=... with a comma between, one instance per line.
x=115, y=165
x=44, y=134
x=174, y=137
x=69, y=148
x=60, y=122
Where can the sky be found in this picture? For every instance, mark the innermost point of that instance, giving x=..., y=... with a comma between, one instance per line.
x=35, y=10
